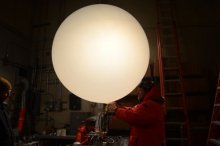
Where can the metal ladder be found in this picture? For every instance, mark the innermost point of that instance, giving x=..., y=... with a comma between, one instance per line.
x=214, y=129
x=176, y=118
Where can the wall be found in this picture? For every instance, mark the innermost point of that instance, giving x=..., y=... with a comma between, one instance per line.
x=198, y=30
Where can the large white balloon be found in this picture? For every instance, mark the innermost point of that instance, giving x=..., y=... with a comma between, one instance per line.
x=100, y=53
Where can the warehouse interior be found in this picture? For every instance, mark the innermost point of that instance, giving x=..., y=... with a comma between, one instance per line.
x=27, y=31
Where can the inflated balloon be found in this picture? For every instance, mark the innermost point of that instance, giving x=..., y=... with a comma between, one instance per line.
x=100, y=53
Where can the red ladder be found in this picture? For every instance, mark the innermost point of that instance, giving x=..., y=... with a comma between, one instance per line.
x=176, y=129
x=214, y=129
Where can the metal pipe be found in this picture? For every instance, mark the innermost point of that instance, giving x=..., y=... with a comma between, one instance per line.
x=23, y=109
x=44, y=37
x=47, y=86
x=60, y=91
x=23, y=101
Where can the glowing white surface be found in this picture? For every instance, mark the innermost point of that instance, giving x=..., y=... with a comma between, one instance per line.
x=100, y=53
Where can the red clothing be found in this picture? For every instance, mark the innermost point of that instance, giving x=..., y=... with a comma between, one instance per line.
x=146, y=120
x=82, y=135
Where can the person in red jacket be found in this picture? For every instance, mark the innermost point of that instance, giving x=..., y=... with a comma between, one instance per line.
x=146, y=119
x=85, y=129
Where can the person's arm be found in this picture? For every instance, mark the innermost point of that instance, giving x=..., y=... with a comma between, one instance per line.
x=113, y=106
x=125, y=107
x=86, y=141
x=79, y=138
x=142, y=115
x=121, y=106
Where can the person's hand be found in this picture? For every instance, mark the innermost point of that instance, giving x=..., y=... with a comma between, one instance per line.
x=112, y=106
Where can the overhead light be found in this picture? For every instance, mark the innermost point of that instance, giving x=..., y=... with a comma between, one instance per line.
x=100, y=53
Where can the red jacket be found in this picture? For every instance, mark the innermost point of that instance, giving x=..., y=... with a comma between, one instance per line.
x=146, y=120
x=82, y=137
